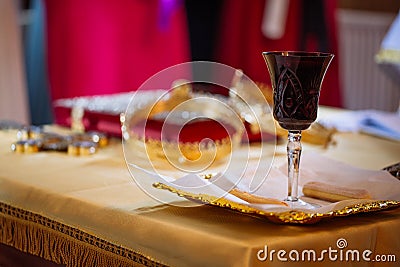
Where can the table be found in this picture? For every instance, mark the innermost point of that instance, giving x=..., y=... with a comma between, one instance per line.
x=87, y=211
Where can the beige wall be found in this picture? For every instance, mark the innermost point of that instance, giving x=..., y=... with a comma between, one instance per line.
x=362, y=25
x=13, y=93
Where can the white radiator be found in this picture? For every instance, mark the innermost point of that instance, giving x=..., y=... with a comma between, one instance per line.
x=364, y=84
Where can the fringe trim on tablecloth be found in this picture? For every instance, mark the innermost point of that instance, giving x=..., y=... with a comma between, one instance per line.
x=62, y=244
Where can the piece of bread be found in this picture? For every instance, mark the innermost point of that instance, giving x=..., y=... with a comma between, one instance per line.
x=333, y=193
x=254, y=199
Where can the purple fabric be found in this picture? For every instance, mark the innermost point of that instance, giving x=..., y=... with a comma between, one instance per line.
x=166, y=9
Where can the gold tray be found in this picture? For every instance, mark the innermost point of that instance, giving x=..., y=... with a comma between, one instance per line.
x=288, y=216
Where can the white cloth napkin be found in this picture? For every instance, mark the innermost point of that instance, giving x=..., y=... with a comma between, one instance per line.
x=314, y=167
x=379, y=123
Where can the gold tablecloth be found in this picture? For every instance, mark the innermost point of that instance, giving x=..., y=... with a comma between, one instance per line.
x=87, y=211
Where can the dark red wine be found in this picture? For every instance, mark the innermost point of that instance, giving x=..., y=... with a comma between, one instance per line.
x=296, y=79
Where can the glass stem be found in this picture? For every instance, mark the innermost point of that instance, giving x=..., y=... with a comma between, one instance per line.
x=293, y=153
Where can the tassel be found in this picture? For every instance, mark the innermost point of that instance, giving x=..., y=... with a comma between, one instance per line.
x=62, y=244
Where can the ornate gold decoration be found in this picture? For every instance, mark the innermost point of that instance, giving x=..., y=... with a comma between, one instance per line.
x=316, y=134
x=191, y=151
x=32, y=139
x=194, y=152
x=182, y=92
x=77, y=113
x=290, y=216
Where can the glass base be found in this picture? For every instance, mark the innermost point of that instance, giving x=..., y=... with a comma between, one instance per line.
x=296, y=203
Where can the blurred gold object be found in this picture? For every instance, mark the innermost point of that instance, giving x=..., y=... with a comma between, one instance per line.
x=100, y=139
x=29, y=132
x=87, y=148
x=266, y=90
x=317, y=134
x=184, y=152
x=82, y=148
x=26, y=146
x=18, y=146
x=388, y=56
x=180, y=93
x=252, y=101
x=178, y=107
x=77, y=113
x=32, y=146
x=73, y=150
x=32, y=139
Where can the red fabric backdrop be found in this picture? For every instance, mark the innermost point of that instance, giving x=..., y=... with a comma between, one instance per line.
x=242, y=42
x=103, y=47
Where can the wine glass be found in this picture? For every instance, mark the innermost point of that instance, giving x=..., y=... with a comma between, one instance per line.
x=296, y=79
